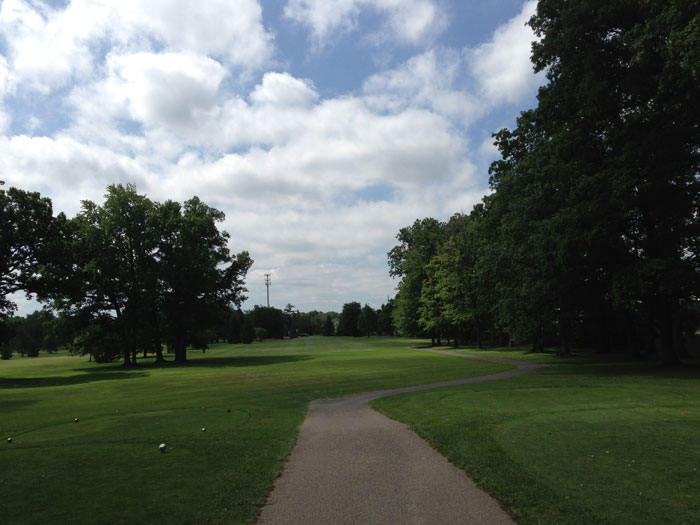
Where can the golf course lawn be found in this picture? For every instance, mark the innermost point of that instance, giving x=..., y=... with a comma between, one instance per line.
x=584, y=442
x=107, y=468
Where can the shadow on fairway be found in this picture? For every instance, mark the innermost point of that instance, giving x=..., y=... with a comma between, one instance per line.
x=642, y=369
x=90, y=377
x=200, y=361
x=257, y=360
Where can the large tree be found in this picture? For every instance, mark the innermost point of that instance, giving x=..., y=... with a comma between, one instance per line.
x=104, y=275
x=196, y=269
x=455, y=287
x=131, y=273
x=27, y=225
x=349, y=319
x=418, y=244
x=621, y=110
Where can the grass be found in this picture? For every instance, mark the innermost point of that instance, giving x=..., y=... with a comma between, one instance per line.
x=106, y=468
x=587, y=441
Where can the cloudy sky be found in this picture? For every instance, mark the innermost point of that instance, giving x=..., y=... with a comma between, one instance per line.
x=320, y=127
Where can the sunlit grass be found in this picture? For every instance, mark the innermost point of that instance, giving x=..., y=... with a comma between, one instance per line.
x=107, y=468
x=589, y=441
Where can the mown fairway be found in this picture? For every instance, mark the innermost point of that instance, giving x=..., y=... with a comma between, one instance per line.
x=586, y=442
x=106, y=468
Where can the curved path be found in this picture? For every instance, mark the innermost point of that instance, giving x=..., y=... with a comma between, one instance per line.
x=352, y=465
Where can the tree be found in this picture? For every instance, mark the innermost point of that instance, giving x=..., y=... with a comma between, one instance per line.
x=29, y=333
x=328, y=326
x=454, y=291
x=311, y=323
x=291, y=314
x=621, y=108
x=349, y=319
x=248, y=329
x=132, y=272
x=272, y=319
x=417, y=246
x=27, y=225
x=367, y=321
x=197, y=272
x=106, y=277
x=385, y=319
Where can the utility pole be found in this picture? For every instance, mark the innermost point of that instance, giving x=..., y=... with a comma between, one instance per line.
x=268, y=283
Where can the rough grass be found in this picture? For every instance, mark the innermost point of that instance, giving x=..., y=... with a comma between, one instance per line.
x=585, y=442
x=106, y=468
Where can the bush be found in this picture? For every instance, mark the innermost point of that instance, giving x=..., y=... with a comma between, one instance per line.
x=261, y=333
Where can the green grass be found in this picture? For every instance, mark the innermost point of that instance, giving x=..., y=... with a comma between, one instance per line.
x=106, y=468
x=587, y=441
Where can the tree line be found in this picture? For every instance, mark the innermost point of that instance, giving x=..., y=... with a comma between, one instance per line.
x=126, y=276
x=591, y=234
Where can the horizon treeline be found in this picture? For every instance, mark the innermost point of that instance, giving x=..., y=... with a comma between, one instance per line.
x=126, y=276
x=591, y=234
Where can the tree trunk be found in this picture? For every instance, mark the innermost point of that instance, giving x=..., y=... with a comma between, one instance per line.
x=669, y=356
x=477, y=329
x=158, y=349
x=180, y=351
x=180, y=344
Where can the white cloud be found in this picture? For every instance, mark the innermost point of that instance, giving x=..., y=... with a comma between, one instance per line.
x=155, y=98
x=48, y=48
x=430, y=80
x=502, y=66
x=408, y=21
x=413, y=21
x=65, y=169
x=282, y=89
x=164, y=89
x=4, y=117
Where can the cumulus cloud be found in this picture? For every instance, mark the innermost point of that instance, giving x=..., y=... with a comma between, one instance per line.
x=4, y=118
x=151, y=95
x=282, y=89
x=408, y=21
x=432, y=80
x=65, y=169
x=49, y=47
x=164, y=89
x=502, y=66
x=462, y=86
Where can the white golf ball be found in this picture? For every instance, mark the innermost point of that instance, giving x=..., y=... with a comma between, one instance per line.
x=9, y=440
x=161, y=447
x=76, y=420
x=204, y=429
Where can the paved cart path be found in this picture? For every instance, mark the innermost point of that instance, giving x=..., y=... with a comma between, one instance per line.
x=352, y=465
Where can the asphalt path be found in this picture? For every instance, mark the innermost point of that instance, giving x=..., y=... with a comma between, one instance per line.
x=352, y=465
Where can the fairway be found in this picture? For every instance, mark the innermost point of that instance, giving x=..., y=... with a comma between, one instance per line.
x=107, y=467
x=592, y=440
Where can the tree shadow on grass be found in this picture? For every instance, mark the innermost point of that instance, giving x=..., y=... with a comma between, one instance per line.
x=92, y=375
x=238, y=361
x=647, y=369
x=113, y=371
x=197, y=362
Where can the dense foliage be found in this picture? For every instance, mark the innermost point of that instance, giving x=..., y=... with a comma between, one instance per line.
x=591, y=232
x=125, y=276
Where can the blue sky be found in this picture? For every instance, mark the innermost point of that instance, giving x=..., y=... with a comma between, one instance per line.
x=319, y=127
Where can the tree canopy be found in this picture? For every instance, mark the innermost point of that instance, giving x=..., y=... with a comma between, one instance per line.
x=591, y=231
x=126, y=275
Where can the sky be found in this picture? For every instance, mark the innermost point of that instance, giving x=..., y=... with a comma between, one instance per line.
x=320, y=127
